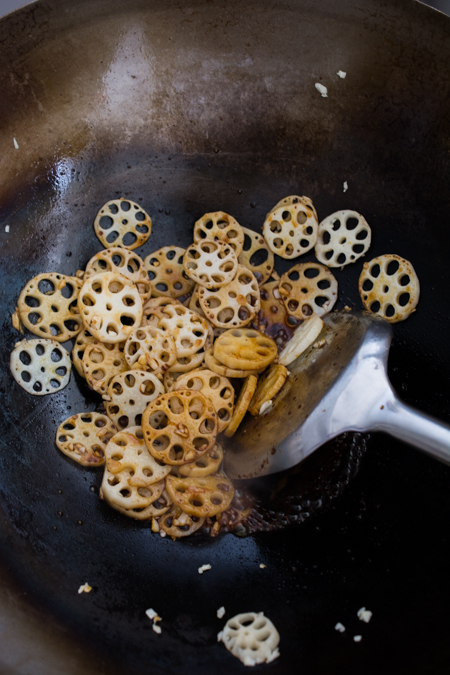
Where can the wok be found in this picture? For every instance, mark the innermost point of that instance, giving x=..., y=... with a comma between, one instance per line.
x=187, y=107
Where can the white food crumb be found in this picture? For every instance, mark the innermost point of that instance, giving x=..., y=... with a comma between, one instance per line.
x=265, y=407
x=357, y=638
x=151, y=613
x=162, y=534
x=85, y=588
x=221, y=612
x=323, y=91
x=204, y=568
x=364, y=615
x=157, y=629
x=6, y=228
x=345, y=186
x=276, y=293
x=262, y=566
x=340, y=627
x=341, y=74
x=16, y=145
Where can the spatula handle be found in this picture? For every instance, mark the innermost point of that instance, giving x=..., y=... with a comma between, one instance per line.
x=414, y=427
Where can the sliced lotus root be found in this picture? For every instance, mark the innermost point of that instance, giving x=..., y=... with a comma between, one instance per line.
x=187, y=431
x=121, y=261
x=101, y=362
x=389, y=287
x=48, y=306
x=84, y=437
x=213, y=364
x=307, y=288
x=343, y=238
x=251, y=637
x=40, y=366
x=194, y=302
x=245, y=349
x=241, y=407
x=205, y=465
x=129, y=394
x=154, y=510
x=123, y=223
x=178, y=524
x=256, y=256
x=187, y=328
x=110, y=306
x=202, y=497
x=220, y=227
x=233, y=305
x=268, y=387
x=148, y=310
x=148, y=348
x=133, y=478
x=290, y=230
x=305, y=335
x=296, y=199
x=216, y=388
x=210, y=264
x=169, y=379
x=273, y=319
x=84, y=338
x=185, y=364
x=166, y=271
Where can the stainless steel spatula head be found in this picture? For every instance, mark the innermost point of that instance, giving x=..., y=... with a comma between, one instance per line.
x=341, y=386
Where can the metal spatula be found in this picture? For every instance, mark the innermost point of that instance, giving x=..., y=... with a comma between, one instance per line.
x=342, y=386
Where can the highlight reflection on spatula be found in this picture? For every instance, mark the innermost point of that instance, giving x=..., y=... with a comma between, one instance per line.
x=341, y=387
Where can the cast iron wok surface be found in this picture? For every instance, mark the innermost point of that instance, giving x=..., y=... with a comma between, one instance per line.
x=188, y=107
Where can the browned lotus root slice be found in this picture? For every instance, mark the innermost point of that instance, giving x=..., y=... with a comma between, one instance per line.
x=123, y=223
x=40, y=366
x=205, y=465
x=148, y=310
x=296, y=199
x=343, y=238
x=221, y=227
x=202, y=497
x=273, y=319
x=121, y=261
x=194, y=302
x=256, y=255
x=101, y=362
x=187, y=431
x=389, y=287
x=129, y=394
x=241, y=407
x=166, y=271
x=84, y=437
x=187, y=328
x=133, y=478
x=210, y=264
x=290, y=230
x=178, y=524
x=216, y=388
x=233, y=305
x=110, y=306
x=245, y=349
x=268, y=387
x=213, y=364
x=148, y=348
x=307, y=288
x=84, y=338
x=48, y=306
x=154, y=510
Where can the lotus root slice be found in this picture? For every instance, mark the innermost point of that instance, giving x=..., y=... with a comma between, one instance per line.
x=83, y=437
x=307, y=288
x=343, y=238
x=123, y=223
x=220, y=226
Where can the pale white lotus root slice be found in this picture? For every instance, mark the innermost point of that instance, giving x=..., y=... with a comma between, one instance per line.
x=194, y=302
x=221, y=227
x=245, y=349
x=123, y=223
x=389, y=287
x=166, y=271
x=210, y=264
x=149, y=348
x=101, y=362
x=187, y=430
x=272, y=318
x=290, y=230
x=205, y=465
x=187, y=328
x=83, y=437
x=242, y=403
x=40, y=366
x=305, y=335
x=213, y=364
x=343, y=238
x=216, y=388
x=269, y=384
x=177, y=524
x=307, y=288
x=297, y=199
x=48, y=306
x=133, y=479
x=83, y=339
x=148, y=310
x=233, y=305
x=121, y=261
x=256, y=256
x=129, y=394
x=251, y=637
x=203, y=497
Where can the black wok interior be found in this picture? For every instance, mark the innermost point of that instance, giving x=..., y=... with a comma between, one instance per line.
x=187, y=107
